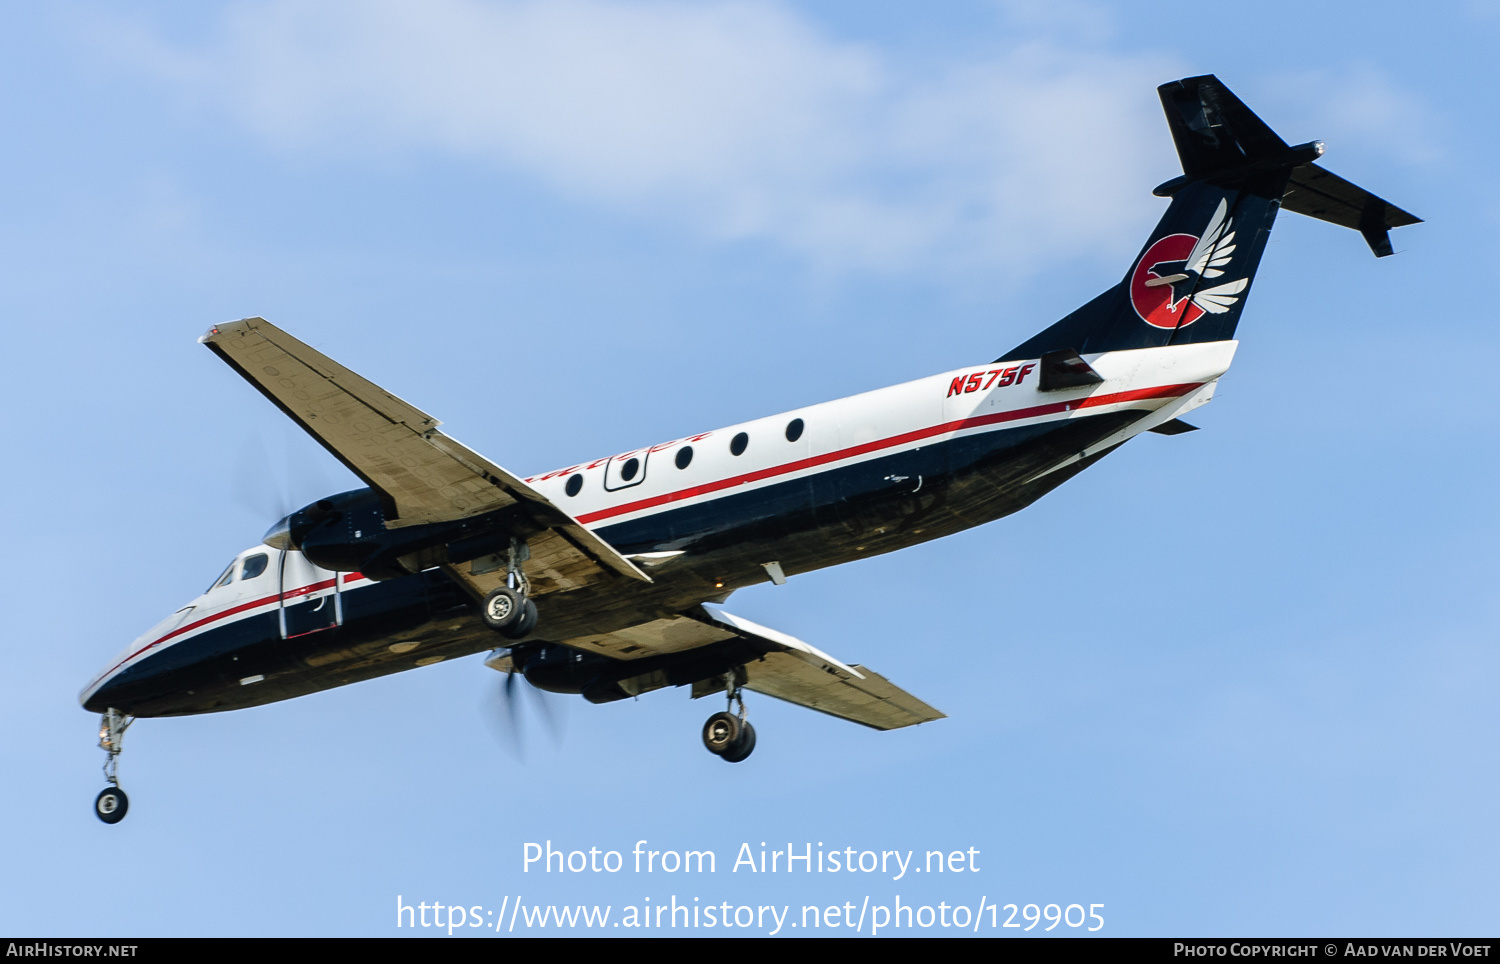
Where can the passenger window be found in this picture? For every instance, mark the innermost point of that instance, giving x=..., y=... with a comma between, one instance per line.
x=254, y=566
x=629, y=469
x=794, y=430
x=684, y=456
x=575, y=484
x=738, y=444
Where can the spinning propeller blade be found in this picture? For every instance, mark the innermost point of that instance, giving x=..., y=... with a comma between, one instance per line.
x=271, y=488
x=505, y=717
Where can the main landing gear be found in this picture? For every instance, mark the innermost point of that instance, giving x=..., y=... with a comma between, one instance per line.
x=111, y=803
x=508, y=609
x=727, y=734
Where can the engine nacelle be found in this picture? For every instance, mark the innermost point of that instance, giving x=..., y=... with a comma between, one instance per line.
x=601, y=679
x=561, y=669
x=347, y=533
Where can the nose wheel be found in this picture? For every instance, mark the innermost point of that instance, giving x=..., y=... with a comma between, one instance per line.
x=111, y=803
x=728, y=734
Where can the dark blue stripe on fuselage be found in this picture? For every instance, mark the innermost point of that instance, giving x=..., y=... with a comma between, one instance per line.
x=992, y=464
x=847, y=512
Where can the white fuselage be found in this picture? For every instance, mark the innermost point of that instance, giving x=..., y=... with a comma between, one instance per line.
x=1161, y=383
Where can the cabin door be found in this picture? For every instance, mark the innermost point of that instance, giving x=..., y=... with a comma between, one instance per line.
x=311, y=598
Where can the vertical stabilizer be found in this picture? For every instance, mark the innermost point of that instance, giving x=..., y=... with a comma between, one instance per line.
x=1191, y=279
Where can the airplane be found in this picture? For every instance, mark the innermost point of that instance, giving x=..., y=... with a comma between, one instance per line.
x=606, y=578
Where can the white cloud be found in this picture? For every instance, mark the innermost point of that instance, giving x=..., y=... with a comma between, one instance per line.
x=735, y=119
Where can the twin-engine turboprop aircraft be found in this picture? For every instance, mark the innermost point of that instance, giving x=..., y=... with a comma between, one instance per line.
x=599, y=578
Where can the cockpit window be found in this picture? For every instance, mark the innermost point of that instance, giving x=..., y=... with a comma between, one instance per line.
x=223, y=580
x=254, y=566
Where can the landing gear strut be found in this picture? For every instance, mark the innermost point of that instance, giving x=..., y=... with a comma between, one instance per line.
x=728, y=734
x=508, y=609
x=111, y=803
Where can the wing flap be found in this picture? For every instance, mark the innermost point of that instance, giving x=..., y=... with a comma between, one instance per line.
x=673, y=634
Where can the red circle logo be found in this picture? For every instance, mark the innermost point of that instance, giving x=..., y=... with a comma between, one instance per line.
x=1154, y=302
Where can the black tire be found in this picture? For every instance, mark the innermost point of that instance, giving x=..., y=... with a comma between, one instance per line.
x=502, y=609
x=721, y=732
x=110, y=805
x=525, y=624
x=743, y=747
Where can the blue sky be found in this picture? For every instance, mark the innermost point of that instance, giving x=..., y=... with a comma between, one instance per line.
x=1235, y=682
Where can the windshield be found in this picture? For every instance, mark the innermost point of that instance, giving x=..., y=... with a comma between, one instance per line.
x=225, y=579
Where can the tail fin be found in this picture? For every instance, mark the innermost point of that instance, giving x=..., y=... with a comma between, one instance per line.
x=1190, y=281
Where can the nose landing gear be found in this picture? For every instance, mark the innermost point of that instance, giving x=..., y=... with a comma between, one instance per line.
x=111, y=803
x=730, y=735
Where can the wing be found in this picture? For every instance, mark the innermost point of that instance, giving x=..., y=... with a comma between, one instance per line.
x=1215, y=245
x=798, y=673
x=422, y=475
x=774, y=663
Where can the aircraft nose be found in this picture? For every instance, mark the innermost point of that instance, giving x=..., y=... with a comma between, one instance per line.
x=112, y=687
x=96, y=696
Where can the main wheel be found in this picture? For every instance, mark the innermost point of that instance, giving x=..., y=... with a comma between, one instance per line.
x=110, y=805
x=743, y=746
x=525, y=624
x=503, y=608
x=721, y=732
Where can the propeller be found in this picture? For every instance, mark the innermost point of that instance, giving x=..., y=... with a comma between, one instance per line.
x=272, y=488
x=504, y=708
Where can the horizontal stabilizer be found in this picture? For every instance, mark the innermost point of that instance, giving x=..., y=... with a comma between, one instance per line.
x=1321, y=194
x=1213, y=130
x=1191, y=280
x=1175, y=427
x=1065, y=368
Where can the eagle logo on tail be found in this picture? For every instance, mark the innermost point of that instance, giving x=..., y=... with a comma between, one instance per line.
x=1165, y=286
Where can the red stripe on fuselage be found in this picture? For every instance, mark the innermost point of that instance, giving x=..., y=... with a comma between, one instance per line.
x=864, y=448
x=958, y=425
x=232, y=611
